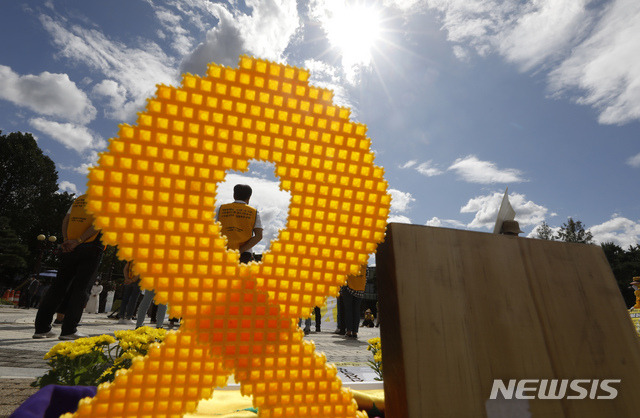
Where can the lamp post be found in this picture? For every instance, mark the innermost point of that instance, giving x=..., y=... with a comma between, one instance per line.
x=42, y=238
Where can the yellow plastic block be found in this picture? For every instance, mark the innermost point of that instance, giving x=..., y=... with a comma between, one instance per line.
x=153, y=195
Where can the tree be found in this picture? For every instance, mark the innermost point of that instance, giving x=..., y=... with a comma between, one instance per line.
x=12, y=253
x=545, y=232
x=625, y=265
x=28, y=191
x=111, y=267
x=572, y=231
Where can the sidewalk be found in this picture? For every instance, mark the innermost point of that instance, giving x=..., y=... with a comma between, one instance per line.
x=21, y=357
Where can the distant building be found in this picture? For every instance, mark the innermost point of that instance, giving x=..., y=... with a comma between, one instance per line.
x=371, y=288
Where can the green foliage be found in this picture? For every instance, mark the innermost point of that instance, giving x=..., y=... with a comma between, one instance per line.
x=375, y=347
x=545, y=232
x=28, y=192
x=94, y=360
x=573, y=231
x=625, y=265
x=111, y=268
x=12, y=252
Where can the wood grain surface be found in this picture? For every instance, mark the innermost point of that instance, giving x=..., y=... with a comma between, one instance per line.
x=461, y=308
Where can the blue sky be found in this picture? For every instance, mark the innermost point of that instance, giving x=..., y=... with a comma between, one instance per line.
x=462, y=98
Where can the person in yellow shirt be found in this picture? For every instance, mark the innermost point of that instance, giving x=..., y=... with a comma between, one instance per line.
x=81, y=255
x=352, y=295
x=368, y=319
x=241, y=223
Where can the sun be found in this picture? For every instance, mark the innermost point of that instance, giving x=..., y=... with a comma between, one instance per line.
x=354, y=29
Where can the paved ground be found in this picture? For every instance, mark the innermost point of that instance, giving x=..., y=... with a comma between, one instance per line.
x=21, y=357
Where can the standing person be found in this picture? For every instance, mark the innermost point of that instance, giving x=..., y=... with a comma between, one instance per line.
x=32, y=292
x=316, y=314
x=42, y=290
x=307, y=325
x=352, y=295
x=144, y=307
x=241, y=223
x=307, y=321
x=340, y=314
x=29, y=292
x=94, y=298
x=130, y=293
x=81, y=254
x=23, y=287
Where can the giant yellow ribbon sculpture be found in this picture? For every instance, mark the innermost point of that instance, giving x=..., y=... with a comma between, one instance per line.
x=153, y=195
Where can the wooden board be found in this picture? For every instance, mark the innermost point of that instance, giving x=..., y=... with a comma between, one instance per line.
x=460, y=309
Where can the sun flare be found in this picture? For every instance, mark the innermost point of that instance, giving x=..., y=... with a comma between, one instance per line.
x=354, y=30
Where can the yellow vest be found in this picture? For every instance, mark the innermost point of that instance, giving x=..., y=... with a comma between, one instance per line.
x=359, y=281
x=132, y=276
x=79, y=219
x=238, y=220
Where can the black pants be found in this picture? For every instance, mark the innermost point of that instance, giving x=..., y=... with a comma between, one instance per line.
x=246, y=257
x=316, y=312
x=73, y=279
x=341, y=313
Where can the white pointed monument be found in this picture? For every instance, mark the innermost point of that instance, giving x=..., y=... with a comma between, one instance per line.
x=505, y=213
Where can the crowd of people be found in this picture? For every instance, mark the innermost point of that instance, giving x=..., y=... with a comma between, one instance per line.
x=75, y=290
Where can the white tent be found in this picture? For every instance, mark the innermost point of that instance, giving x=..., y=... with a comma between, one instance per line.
x=505, y=213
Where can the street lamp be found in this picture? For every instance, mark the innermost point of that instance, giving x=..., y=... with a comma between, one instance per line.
x=42, y=238
x=52, y=238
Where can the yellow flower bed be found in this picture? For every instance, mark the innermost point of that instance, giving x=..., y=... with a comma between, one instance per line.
x=94, y=360
x=375, y=347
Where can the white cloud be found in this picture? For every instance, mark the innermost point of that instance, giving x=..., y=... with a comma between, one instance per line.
x=606, y=66
x=401, y=219
x=589, y=48
x=83, y=169
x=461, y=53
x=47, y=94
x=331, y=78
x=446, y=223
x=135, y=70
x=172, y=23
x=196, y=12
x=403, y=4
x=67, y=186
x=400, y=201
x=473, y=170
x=409, y=164
x=222, y=45
x=634, y=161
x=486, y=209
x=72, y=136
x=264, y=33
x=91, y=159
x=526, y=33
x=117, y=106
x=619, y=230
x=427, y=169
x=534, y=231
x=543, y=29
